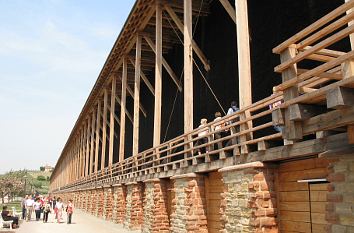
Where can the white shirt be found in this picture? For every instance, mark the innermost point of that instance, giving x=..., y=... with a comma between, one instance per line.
x=202, y=132
x=29, y=202
x=217, y=127
x=37, y=205
x=59, y=205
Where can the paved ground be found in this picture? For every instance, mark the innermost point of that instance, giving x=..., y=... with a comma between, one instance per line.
x=82, y=223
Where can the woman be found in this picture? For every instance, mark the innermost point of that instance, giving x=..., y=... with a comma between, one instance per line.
x=46, y=211
x=5, y=214
x=70, y=211
x=59, y=209
x=37, y=208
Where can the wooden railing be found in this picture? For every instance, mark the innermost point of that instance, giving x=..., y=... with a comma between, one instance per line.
x=190, y=150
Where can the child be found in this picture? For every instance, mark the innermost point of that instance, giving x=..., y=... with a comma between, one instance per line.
x=70, y=210
x=46, y=211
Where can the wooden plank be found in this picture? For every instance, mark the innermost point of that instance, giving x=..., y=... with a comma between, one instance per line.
x=297, y=196
x=316, y=173
x=319, y=187
x=292, y=186
x=137, y=96
x=229, y=9
x=291, y=226
x=318, y=196
x=295, y=206
x=295, y=216
x=299, y=165
x=350, y=130
x=104, y=129
x=319, y=228
x=158, y=77
x=318, y=218
x=299, y=112
x=182, y=28
x=112, y=120
x=340, y=97
x=318, y=207
x=123, y=110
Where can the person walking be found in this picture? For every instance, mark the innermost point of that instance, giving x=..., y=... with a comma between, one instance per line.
x=70, y=211
x=23, y=205
x=29, y=207
x=59, y=207
x=46, y=211
x=37, y=208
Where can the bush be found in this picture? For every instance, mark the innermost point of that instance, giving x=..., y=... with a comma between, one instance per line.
x=41, y=178
x=42, y=169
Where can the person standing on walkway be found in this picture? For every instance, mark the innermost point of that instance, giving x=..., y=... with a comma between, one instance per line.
x=23, y=205
x=46, y=211
x=29, y=207
x=59, y=207
x=37, y=209
x=70, y=211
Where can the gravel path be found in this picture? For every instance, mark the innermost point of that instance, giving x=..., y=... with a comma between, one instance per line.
x=82, y=223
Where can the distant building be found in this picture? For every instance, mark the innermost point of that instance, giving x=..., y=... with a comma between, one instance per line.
x=48, y=168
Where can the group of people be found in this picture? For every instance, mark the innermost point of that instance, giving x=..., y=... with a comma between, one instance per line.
x=42, y=206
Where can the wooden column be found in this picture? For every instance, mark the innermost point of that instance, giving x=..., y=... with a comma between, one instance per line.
x=137, y=96
x=82, y=153
x=92, y=141
x=87, y=166
x=112, y=115
x=188, y=67
x=122, y=111
x=158, y=76
x=104, y=129
x=243, y=54
x=351, y=36
x=98, y=127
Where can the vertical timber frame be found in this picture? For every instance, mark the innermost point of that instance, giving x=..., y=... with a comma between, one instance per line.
x=188, y=69
x=123, y=110
x=112, y=116
x=137, y=96
x=104, y=129
x=92, y=142
x=98, y=127
x=87, y=146
x=158, y=76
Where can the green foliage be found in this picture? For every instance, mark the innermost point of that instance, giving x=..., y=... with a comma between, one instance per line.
x=41, y=178
x=42, y=169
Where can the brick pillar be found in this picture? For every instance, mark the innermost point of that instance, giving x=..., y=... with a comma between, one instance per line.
x=156, y=217
x=249, y=203
x=189, y=204
x=340, y=206
x=119, y=203
x=99, y=200
x=87, y=200
x=108, y=203
x=134, y=206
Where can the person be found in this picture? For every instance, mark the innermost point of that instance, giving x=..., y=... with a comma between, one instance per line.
x=275, y=105
x=201, y=133
x=59, y=209
x=70, y=211
x=46, y=211
x=233, y=108
x=23, y=205
x=29, y=207
x=218, y=127
x=6, y=215
x=37, y=208
x=54, y=202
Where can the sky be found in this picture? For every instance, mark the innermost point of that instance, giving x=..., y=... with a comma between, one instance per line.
x=51, y=53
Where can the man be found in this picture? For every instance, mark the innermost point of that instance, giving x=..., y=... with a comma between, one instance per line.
x=23, y=205
x=29, y=207
x=6, y=215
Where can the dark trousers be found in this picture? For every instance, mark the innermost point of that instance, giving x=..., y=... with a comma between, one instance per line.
x=23, y=213
x=38, y=214
x=69, y=217
x=14, y=219
x=45, y=216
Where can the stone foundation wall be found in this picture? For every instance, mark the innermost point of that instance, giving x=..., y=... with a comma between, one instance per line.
x=134, y=206
x=109, y=204
x=340, y=207
x=119, y=204
x=188, y=204
x=99, y=200
x=249, y=203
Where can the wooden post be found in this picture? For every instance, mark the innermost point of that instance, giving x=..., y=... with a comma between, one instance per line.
x=188, y=67
x=351, y=36
x=111, y=126
x=82, y=154
x=87, y=147
x=98, y=126
x=229, y=9
x=137, y=96
x=104, y=129
x=158, y=76
x=92, y=141
x=122, y=111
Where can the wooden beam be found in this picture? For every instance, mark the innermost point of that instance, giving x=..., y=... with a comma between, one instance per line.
x=180, y=26
x=188, y=67
x=112, y=120
x=98, y=126
x=300, y=112
x=340, y=97
x=87, y=146
x=126, y=110
x=137, y=96
x=92, y=139
x=229, y=9
x=164, y=63
x=131, y=93
x=144, y=78
x=104, y=131
x=158, y=77
x=122, y=111
x=350, y=130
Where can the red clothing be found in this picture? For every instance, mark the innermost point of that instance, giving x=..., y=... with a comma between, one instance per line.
x=70, y=208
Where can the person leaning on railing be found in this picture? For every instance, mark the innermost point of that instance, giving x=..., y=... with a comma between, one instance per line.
x=203, y=132
x=233, y=109
x=219, y=133
x=275, y=105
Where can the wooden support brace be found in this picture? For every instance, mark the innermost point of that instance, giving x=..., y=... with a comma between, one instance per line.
x=131, y=93
x=195, y=47
x=144, y=78
x=340, y=97
x=300, y=112
x=126, y=110
x=262, y=145
x=350, y=130
x=229, y=9
x=278, y=117
x=164, y=63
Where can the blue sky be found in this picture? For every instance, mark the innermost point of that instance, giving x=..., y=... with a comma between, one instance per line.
x=51, y=52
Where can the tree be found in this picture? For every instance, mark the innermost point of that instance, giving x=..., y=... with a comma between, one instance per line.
x=42, y=168
x=41, y=178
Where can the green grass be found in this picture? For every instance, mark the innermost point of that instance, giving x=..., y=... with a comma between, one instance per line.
x=16, y=204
